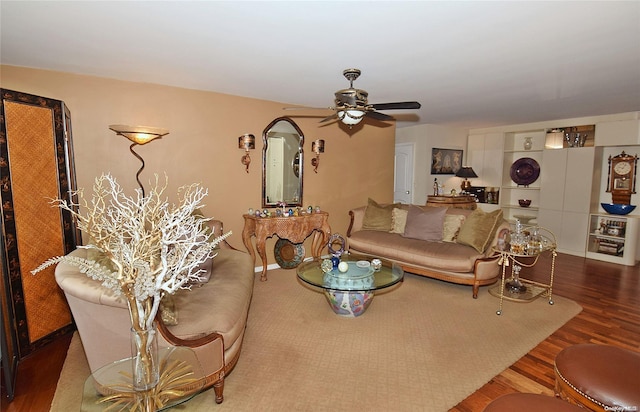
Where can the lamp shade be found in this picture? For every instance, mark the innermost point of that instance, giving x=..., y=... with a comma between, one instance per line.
x=247, y=142
x=139, y=134
x=466, y=172
x=317, y=146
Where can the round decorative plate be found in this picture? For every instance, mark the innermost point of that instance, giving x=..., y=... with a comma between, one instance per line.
x=288, y=255
x=525, y=171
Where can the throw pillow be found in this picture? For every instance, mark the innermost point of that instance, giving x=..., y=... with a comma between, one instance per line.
x=398, y=220
x=478, y=229
x=377, y=217
x=425, y=224
x=452, y=224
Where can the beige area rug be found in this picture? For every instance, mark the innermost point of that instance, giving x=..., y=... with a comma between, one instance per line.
x=423, y=346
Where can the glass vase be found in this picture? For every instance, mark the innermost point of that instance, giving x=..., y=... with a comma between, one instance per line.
x=144, y=358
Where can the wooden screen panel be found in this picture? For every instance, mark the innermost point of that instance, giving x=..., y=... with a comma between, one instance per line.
x=36, y=165
x=34, y=175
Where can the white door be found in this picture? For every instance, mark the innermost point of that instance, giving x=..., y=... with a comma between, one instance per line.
x=403, y=182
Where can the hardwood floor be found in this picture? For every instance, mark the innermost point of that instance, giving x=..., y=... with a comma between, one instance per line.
x=610, y=297
x=608, y=293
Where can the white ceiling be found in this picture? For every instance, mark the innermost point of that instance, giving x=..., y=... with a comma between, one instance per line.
x=470, y=64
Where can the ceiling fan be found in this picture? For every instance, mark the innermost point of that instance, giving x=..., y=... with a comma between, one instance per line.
x=351, y=105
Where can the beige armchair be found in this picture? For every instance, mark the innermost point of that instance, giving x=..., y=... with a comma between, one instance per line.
x=211, y=318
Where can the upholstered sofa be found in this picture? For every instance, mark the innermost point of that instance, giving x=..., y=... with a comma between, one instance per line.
x=210, y=318
x=449, y=244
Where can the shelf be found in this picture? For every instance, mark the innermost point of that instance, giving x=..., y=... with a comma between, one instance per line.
x=523, y=151
x=613, y=238
x=521, y=187
x=523, y=209
x=601, y=236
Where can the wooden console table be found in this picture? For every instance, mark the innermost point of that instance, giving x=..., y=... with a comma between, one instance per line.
x=460, y=202
x=295, y=228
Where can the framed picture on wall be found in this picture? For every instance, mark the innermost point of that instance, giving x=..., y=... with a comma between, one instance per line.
x=445, y=161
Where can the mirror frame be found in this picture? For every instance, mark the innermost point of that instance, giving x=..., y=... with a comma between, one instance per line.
x=300, y=154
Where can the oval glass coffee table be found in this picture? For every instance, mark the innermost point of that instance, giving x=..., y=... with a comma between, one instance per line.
x=350, y=293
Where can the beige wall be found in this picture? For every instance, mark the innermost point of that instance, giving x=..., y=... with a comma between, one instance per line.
x=203, y=144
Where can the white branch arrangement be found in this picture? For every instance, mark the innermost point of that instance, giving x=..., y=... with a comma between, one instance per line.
x=155, y=248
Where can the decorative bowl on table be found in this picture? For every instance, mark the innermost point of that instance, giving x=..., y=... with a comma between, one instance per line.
x=524, y=202
x=617, y=208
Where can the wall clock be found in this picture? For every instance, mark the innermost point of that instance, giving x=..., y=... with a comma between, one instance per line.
x=622, y=177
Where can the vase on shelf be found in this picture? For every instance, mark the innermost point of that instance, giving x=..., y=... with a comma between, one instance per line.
x=528, y=143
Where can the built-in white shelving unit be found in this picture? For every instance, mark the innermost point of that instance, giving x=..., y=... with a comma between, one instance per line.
x=510, y=192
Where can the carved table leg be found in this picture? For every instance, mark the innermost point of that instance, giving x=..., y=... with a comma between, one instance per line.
x=320, y=239
x=246, y=239
x=261, y=247
x=317, y=244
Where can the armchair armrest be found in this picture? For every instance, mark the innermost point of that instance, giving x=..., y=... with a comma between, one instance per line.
x=357, y=217
x=487, y=268
x=191, y=343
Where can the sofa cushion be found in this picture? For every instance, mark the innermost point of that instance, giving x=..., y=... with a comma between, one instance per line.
x=377, y=217
x=425, y=224
x=446, y=256
x=224, y=299
x=479, y=228
x=398, y=220
x=452, y=225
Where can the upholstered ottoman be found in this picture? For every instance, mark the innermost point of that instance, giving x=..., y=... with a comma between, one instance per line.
x=599, y=377
x=530, y=402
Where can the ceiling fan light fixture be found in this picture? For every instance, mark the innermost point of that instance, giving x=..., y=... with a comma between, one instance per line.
x=351, y=117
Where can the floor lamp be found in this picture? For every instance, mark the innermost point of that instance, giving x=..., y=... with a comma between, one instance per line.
x=139, y=135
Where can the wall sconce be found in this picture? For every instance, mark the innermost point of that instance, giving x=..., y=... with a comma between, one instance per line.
x=466, y=172
x=246, y=142
x=139, y=135
x=317, y=147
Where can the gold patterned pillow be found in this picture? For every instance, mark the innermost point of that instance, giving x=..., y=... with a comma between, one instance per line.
x=398, y=220
x=452, y=224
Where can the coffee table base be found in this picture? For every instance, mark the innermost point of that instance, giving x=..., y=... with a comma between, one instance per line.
x=349, y=304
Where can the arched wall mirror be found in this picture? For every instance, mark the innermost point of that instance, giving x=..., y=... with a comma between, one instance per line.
x=282, y=160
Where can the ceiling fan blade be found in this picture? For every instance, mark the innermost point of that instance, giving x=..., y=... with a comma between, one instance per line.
x=379, y=116
x=326, y=119
x=396, y=106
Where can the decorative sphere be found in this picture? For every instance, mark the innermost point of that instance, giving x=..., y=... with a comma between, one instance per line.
x=343, y=267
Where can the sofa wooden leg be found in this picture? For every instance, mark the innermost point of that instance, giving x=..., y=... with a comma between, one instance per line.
x=476, y=288
x=218, y=387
